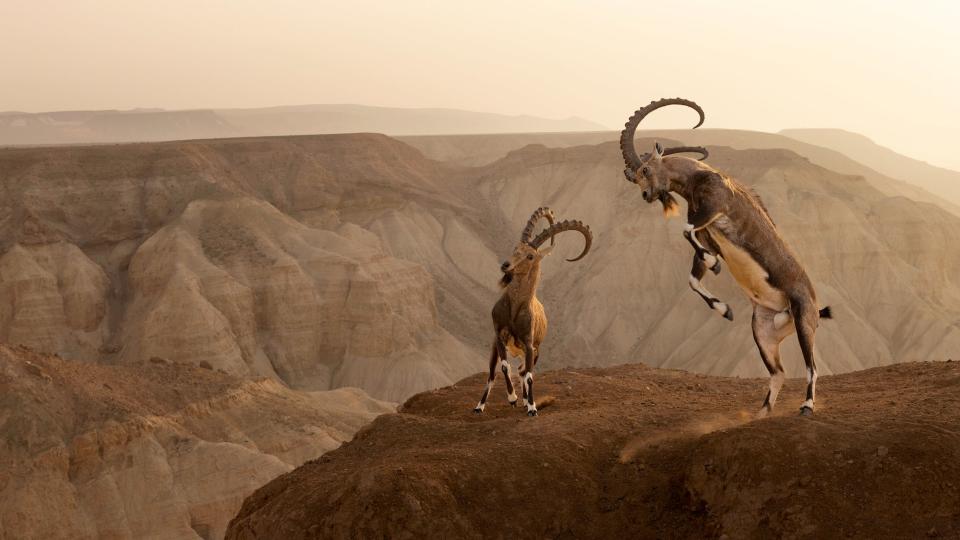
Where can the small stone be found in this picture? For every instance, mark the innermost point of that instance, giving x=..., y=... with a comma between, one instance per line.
x=36, y=370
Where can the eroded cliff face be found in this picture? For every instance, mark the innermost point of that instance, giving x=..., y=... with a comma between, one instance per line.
x=165, y=450
x=182, y=251
x=54, y=298
x=327, y=261
x=242, y=286
x=203, y=292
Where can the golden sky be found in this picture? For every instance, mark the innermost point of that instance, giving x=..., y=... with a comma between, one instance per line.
x=884, y=69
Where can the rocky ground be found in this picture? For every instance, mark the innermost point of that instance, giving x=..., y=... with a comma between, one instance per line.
x=637, y=452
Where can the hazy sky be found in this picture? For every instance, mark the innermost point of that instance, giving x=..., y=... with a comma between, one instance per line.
x=888, y=70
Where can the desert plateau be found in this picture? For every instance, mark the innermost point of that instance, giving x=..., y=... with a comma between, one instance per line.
x=559, y=270
x=339, y=273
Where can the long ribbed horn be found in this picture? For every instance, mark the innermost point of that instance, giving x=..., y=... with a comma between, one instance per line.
x=630, y=156
x=683, y=149
x=542, y=212
x=566, y=225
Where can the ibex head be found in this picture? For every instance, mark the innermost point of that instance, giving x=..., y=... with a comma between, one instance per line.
x=527, y=254
x=647, y=171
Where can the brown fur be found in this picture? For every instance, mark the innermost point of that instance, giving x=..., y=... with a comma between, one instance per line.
x=519, y=320
x=519, y=316
x=728, y=219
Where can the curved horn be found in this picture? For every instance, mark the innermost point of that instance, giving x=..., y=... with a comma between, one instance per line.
x=566, y=225
x=683, y=149
x=542, y=212
x=626, y=136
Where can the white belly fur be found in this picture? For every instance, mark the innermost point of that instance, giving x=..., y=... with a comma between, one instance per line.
x=751, y=277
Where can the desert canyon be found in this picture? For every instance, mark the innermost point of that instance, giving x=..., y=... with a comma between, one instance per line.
x=184, y=321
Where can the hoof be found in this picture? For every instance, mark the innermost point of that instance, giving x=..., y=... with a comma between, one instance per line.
x=729, y=314
x=532, y=413
x=806, y=411
x=478, y=410
x=513, y=403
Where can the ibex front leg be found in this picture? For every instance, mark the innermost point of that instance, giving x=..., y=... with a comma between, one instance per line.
x=529, y=360
x=495, y=358
x=696, y=275
x=709, y=259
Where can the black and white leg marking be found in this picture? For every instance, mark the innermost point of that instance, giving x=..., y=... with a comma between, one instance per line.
x=805, y=319
x=511, y=392
x=696, y=275
x=494, y=362
x=709, y=259
x=528, y=385
x=529, y=358
x=806, y=409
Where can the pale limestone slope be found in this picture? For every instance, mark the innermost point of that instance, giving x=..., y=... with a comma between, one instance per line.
x=189, y=259
x=254, y=292
x=162, y=451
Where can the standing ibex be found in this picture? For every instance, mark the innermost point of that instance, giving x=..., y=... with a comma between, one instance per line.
x=726, y=219
x=518, y=317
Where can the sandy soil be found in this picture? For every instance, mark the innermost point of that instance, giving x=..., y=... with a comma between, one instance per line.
x=639, y=452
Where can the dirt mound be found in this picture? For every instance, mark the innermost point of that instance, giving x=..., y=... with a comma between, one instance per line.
x=639, y=452
x=163, y=450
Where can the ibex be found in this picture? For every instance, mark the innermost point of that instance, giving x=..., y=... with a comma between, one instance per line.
x=519, y=322
x=726, y=219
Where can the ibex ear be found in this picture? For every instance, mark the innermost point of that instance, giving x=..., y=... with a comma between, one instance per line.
x=658, y=150
x=546, y=251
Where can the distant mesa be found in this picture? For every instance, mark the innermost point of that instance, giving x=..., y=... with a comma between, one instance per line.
x=939, y=180
x=140, y=125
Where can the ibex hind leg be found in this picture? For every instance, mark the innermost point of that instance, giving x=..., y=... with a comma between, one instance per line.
x=505, y=368
x=768, y=334
x=805, y=318
x=494, y=362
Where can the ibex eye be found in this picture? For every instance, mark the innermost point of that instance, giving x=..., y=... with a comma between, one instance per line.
x=645, y=171
x=530, y=256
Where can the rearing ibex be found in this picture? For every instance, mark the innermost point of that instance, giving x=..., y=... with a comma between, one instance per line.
x=727, y=219
x=518, y=317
